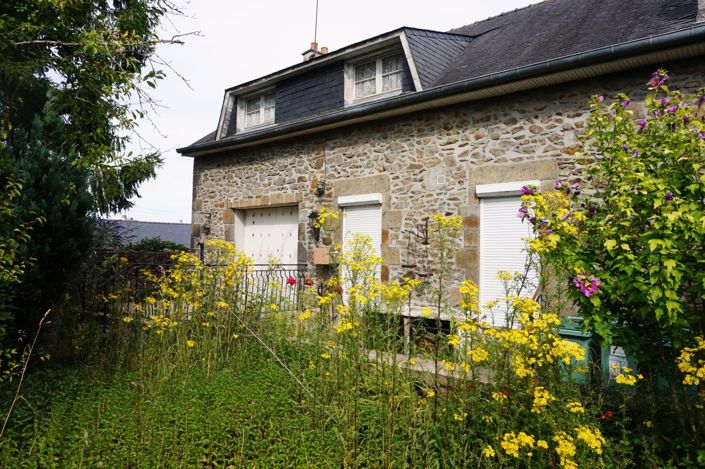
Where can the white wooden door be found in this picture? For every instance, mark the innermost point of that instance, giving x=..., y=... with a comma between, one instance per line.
x=501, y=248
x=272, y=232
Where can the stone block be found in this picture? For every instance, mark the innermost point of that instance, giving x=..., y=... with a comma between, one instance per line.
x=197, y=205
x=468, y=258
x=471, y=237
x=384, y=273
x=195, y=230
x=516, y=171
x=391, y=219
x=363, y=185
x=385, y=236
x=229, y=232
x=391, y=255
x=228, y=216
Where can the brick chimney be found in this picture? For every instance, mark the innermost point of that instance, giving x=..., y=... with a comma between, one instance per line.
x=312, y=52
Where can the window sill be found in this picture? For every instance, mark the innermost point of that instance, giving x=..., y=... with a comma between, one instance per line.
x=374, y=97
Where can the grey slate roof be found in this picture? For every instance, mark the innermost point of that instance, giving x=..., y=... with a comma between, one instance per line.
x=433, y=51
x=135, y=230
x=556, y=28
x=534, y=34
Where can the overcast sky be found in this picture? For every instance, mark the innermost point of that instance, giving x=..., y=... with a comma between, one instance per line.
x=245, y=39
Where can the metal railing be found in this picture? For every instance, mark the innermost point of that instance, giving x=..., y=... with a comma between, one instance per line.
x=279, y=285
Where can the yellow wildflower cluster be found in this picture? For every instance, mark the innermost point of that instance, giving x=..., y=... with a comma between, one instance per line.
x=541, y=399
x=345, y=325
x=488, y=452
x=550, y=209
x=478, y=355
x=160, y=323
x=536, y=340
x=469, y=296
x=592, y=437
x=575, y=407
x=327, y=219
x=565, y=449
x=627, y=377
x=513, y=443
x=305, y=315
x=691, y=362
x=443, y=222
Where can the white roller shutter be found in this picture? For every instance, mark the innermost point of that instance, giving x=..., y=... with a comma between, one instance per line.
x=272, y=231
x=365, y=220
x=501, y=248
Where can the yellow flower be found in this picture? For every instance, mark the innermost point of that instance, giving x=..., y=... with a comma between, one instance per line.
x=235, y=336
x=305, y=315
x=150, y=300
x=542, y=444
x=460, y=417
x=575, y=407
x=448, y=366
x=411, y=361
x=591, y=437
x=487, y=418
x=541, y=399
x=648, y=423
x=498, y=396
x=325, y=356
x=221, y=304
x=127, y=319
x=426, y=312
x=190, y=343
x=488, y=452
x=453, y=340
x=478, y=355
x=512, y=443
x=430, y=393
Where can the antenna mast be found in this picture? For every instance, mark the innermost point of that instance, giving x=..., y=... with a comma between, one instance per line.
x=315, y=27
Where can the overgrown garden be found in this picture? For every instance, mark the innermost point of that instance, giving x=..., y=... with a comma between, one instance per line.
x=195, y=368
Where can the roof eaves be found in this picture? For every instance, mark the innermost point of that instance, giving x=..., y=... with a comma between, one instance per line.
x=655, y=43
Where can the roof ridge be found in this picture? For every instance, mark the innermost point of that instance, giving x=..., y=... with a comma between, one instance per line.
x=504, y=13
x=445, y=33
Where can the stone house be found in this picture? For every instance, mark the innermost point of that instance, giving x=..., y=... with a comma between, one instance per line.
x=396, y=128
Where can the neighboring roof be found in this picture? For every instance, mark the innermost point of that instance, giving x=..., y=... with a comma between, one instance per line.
x=135, y=230
x=557, y=28
x=554, y=35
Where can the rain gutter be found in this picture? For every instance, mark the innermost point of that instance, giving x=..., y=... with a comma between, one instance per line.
x=671, y=46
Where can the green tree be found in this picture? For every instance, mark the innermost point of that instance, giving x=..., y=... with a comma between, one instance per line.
x=55, y=189
x=97, y=57
x=70, y=73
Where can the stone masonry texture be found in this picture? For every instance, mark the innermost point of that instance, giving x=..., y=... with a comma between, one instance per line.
x=423, y=163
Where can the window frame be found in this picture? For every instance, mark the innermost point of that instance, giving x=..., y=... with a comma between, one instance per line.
x=351, y=82
x=242, y=109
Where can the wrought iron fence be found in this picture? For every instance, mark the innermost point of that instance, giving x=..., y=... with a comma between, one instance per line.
x=113, y=283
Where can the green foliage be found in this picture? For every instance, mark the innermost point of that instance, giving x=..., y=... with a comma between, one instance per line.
x=642, y=228
x=93, y=58
x=155, y=244
x=632, y=238
x=55, y=191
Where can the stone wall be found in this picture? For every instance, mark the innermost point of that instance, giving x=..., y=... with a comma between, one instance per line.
x=423, y=164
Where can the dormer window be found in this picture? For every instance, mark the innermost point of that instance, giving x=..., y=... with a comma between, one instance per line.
x=376, y=77
x=256, y=110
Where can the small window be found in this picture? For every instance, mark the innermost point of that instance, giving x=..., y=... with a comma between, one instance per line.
x=258, y=110
x=379, y=76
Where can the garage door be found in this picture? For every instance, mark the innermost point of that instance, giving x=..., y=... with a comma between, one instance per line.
x=272, y=232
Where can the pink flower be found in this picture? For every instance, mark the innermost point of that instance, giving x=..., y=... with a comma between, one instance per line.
x=291, y=281
x=308, y=282
x=588, y=286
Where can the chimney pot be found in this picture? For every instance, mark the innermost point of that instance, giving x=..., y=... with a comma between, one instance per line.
x=314, y=46
x=324, y=50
